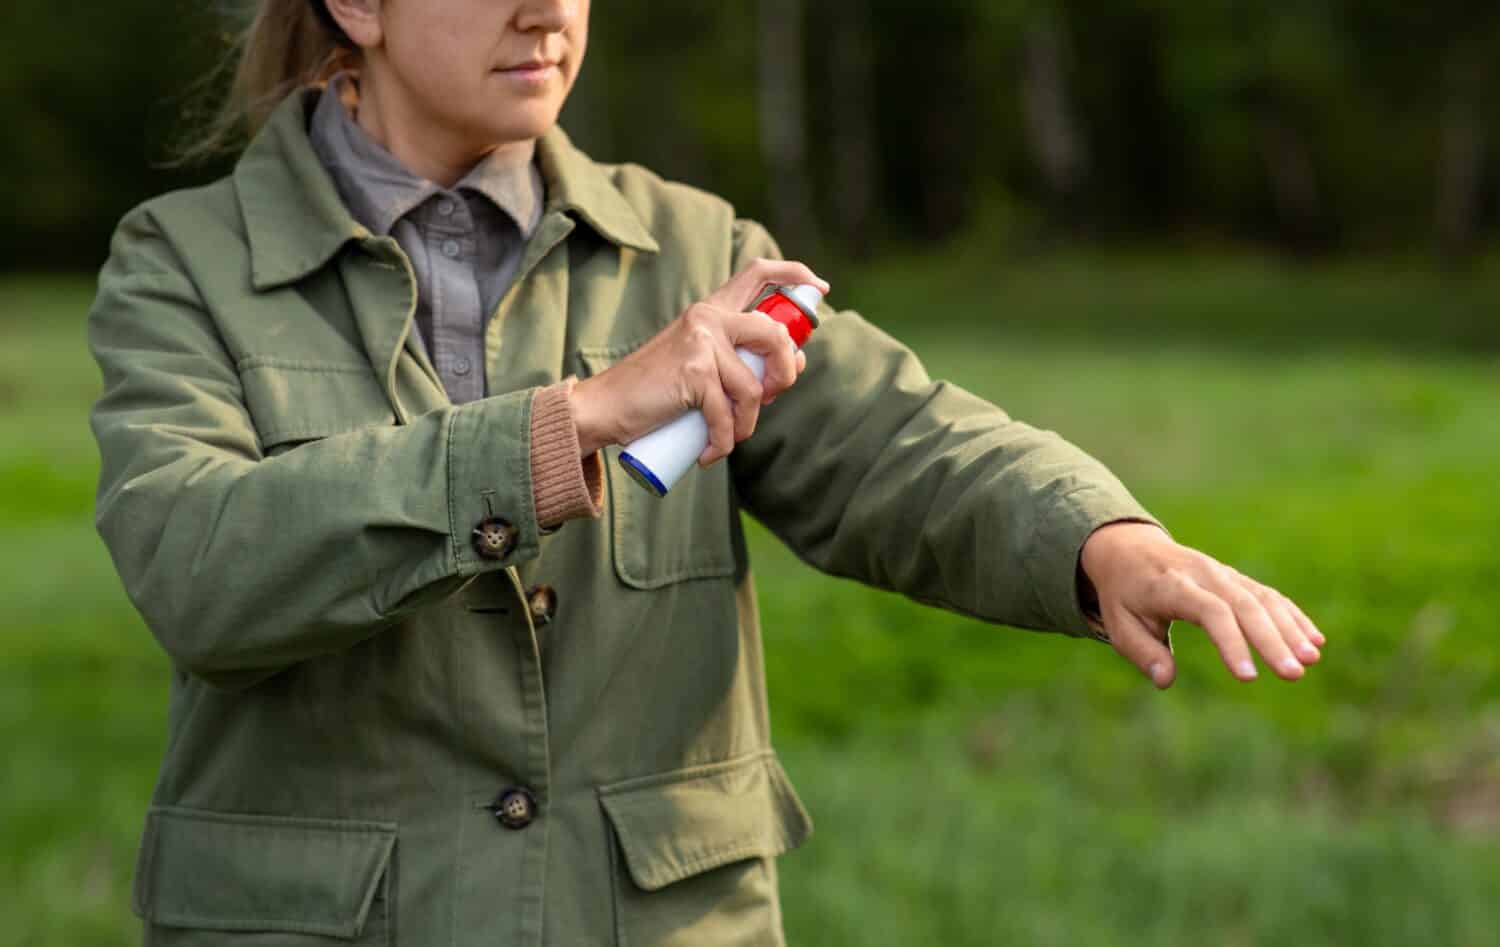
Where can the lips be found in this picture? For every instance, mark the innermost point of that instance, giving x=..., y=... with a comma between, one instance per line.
x=531, y=65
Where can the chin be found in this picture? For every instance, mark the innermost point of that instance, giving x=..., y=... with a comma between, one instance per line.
x=517, y=122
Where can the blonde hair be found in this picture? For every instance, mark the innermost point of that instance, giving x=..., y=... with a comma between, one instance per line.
x=286, y=45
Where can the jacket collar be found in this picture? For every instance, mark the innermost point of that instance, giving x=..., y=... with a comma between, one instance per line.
x=576, y=183
x=296, y=222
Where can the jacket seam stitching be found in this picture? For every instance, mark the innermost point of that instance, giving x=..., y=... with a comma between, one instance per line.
x=626, y=786
x=247, y=924
x=349, y=826
x=252, y=363
x=454, y=551
x=714, y=859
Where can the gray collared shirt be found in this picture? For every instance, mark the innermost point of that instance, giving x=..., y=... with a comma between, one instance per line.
x=464, y=242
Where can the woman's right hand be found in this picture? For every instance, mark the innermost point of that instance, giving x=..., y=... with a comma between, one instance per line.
x=692, y=364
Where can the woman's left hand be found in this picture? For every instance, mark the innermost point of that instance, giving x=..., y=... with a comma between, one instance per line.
x=1145, y=581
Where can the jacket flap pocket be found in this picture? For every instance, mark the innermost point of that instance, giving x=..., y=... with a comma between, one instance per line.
x=298, y=401
x=680, y=537
x=225, y=872
x=679, y=824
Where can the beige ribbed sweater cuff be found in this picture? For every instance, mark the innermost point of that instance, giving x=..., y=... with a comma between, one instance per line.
x=564, y=486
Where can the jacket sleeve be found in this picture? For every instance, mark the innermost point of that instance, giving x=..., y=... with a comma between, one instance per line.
x=868, y=469
x=243, y=564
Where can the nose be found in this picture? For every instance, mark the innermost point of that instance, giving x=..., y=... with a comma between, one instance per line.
x=546, y=16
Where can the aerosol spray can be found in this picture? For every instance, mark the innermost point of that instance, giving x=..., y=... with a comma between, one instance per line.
x=659, y=459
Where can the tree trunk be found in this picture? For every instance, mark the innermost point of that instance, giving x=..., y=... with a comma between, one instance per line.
x=783, y=141
x=854, y=144
x=1052, y=133
x=1461, y=156
x=1294, y=181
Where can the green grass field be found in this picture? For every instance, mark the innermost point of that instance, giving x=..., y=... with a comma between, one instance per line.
x=1333, y=432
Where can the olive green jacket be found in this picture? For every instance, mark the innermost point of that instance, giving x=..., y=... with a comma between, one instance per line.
x=375, y=737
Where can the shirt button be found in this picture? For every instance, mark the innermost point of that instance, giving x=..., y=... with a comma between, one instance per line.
x=542, y=601
x=446, y=207
x=494, y=538
x=451, y=249
x=462, y=367
x=516, y=808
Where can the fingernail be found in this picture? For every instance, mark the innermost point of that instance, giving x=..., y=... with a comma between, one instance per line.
x=1291, y=666
x=1246, y=670
x=1308, y=653
x=1154, y=672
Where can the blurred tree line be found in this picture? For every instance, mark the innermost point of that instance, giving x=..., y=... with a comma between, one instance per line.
x=1318, y=126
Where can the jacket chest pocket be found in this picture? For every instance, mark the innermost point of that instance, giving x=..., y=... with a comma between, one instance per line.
x=693, y=853
x=210, y=878
x=292, y=401
x=687, y=534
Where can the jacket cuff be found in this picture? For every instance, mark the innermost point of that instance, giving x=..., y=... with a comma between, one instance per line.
x=489, y=484
x=564, y=486
x=1056, y=566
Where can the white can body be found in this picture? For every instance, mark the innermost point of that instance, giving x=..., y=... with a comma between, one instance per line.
x=659, y=459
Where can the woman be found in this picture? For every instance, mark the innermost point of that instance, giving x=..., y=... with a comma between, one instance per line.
x=425, y=693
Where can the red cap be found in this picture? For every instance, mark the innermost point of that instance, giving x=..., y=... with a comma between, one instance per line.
x=798, y=320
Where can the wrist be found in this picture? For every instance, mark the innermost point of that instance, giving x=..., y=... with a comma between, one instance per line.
x=591, y=417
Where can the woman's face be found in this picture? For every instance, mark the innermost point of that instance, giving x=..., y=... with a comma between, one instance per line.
x=485, y=72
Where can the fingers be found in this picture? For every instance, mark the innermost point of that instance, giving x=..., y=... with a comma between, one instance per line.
x=718, y=412
x=724, y=387
x=1281, y=610
x=801, y=366
x=1239, y=613
x=1313, y=633
x=739, y=293
x=770, y=340
x=1261, y=631
x=1181, y=596
x=1142, y=644
x=744, y=391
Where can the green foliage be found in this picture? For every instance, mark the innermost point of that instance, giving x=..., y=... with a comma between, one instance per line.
x=973, y=784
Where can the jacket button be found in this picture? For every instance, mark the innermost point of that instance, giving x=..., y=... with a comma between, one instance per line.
x=515, y=808
x=494, y=538
x=542, y=600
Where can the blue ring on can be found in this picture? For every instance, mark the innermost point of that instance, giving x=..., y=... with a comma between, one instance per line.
x=641, y=474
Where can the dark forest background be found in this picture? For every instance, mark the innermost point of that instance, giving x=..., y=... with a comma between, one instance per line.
x=855, y=127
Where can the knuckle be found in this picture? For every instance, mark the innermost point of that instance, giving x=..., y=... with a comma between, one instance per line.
x=699, y=369
x=1242, y=600
x=699, y=316
x=1172, y=579
x=1222, y=573
x=700, y=334
x=1264, y=593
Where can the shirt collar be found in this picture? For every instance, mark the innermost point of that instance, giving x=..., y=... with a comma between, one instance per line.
x=297, y=220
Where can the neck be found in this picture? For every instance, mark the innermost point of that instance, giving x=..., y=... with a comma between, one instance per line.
x=426, y=148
